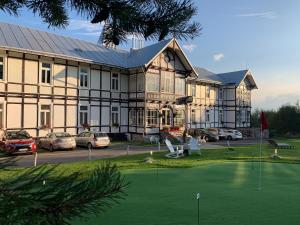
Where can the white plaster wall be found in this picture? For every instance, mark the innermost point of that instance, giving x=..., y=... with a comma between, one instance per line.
x=13, y=115
x=15, y=70
x=31, y=72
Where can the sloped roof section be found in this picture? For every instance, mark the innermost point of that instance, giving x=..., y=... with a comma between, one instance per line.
x=142, y=56
x=18, y=38
x=15, y=37
x=205, y=75
x=235, y=78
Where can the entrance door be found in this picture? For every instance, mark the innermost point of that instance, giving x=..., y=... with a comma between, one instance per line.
x=166, y=117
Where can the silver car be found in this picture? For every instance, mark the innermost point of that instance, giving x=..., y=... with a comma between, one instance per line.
x=91, y=139
x=53, y=141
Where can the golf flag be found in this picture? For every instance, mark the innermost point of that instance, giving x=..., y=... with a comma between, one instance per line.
x=263, y=121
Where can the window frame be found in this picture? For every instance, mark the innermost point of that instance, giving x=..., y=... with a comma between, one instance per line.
x=86, y=75
x=50, y=110
x=207, y=116
x=180, y=85
x=152, y=82
x=151, y=119
x=47, y=69
x=115, y=79
x=207, y=92
x=3, y=67
x=193, y=116
x=2, y=110
x=194, y=89
x=112, y=117
x=167, y=82
x=85, y=111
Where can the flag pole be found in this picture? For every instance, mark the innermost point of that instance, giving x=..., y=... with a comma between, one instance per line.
x=260, y=157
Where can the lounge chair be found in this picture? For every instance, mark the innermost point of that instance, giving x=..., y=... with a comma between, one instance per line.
x=194, y=146
x=280, y=145
x=174, y=153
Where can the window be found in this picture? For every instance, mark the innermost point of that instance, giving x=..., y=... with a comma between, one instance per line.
x=248, y=116
x=152, y=118
x=180, y=86
x=207, y=116
x=1, y=116
x=207, y=91
x=1, y=68
x=179, y=118
x=221, y=116
x=238, y=116
x=167, y=82
x=45, y=116
x=83, y=76
x=83, y=115
x=115, y=82
x=132, y=117
x=140, y=82
x=46, y=73
x=220, y=93
x=140, y=117
x=193, y=90
x=193, y=116
x=115, y=116
x=152, y=82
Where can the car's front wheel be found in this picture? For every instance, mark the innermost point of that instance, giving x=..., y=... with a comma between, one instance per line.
x=229, y=138
x=89, y=145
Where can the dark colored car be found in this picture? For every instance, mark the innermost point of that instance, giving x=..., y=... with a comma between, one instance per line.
x=208, y=136
x=17, y=142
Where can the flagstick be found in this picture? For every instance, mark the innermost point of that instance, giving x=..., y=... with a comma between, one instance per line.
x=260, y=154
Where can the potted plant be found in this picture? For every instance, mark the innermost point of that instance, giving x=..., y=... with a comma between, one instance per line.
x=86, y=126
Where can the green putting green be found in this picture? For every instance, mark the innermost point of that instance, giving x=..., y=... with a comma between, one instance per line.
x=229, y=195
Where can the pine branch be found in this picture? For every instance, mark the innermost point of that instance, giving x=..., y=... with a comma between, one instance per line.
x=24, y=199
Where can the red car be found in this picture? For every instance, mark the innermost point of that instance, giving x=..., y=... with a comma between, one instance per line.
x=17, y=142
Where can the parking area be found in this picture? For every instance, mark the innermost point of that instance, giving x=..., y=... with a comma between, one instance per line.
x=114, y=150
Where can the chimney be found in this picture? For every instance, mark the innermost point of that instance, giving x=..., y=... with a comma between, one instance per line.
x=137, y=42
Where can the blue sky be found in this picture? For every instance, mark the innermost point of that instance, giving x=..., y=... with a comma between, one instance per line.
x=262, y=35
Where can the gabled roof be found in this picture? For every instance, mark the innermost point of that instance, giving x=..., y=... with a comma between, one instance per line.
x=231, y=78
x=142, y=56
x=235, y=78
x=18, y=38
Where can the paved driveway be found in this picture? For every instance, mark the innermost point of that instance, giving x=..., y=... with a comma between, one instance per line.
x=115, y=150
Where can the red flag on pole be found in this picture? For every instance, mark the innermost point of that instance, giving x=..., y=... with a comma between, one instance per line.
x=263, y=121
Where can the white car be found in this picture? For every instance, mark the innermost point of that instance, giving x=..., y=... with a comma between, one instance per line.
x=232, y=134
x=92, y=139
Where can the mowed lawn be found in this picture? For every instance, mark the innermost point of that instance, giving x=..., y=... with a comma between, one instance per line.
x=229, y=195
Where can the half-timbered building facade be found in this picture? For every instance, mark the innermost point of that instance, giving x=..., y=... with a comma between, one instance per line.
x=55, y=83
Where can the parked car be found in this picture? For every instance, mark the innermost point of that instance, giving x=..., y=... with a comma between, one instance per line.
x=17, y=142
x=233, y=135
x=218, y=132
x=92, y=139
x=53, y=141
x=207, y=135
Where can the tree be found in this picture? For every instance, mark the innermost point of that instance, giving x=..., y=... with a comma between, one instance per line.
x=153, y=19
x=41, y=195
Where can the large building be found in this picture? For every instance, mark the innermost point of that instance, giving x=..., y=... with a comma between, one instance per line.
x=55, y=83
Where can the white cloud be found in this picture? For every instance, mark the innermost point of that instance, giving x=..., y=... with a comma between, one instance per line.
x=265, y=15
x=218, y=57
x=189, y=47
x=85, y=27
